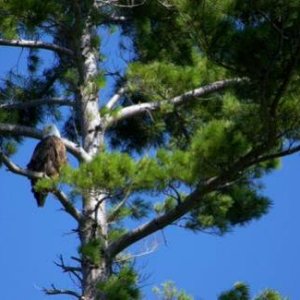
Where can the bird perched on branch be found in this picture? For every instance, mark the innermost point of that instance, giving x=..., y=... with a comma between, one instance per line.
x=48, y=157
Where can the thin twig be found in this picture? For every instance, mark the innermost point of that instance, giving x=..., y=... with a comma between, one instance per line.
x=53, y=291
x=69, y=269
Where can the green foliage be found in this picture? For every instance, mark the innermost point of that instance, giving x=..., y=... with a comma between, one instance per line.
x=178, y=46
x=158, y=35
x=123, y=173
x=168, y=291
x=241, y=291
x=8, y=147
x=29, y=13
x=270, y=295
x=162, y=80
x=235, y=205
x=139, y=209
x=217, y=144
x=122, y=285
x=115, y=233
x=100, y=80
x=92, y=251
x=46, y=184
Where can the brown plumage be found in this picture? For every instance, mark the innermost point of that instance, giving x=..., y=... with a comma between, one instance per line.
x=48, y=157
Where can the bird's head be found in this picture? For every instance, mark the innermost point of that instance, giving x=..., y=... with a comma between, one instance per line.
x=50, y=130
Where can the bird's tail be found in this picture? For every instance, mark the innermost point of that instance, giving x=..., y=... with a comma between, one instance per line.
x=39, y=196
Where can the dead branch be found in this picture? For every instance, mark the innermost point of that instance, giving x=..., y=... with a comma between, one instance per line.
x=36, y=45
x=115, y=98
x=75, y=271
x=137, y=109
x=53, y=291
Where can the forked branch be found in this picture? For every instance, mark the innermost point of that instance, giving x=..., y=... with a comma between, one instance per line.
x=75, y=271
x=53, y=291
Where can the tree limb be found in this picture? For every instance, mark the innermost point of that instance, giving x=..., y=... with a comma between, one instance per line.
x=18, y=170
x=69, y=269
x=17, y=130
x=24, y=105
x=67, y=204
x=193, y=199
x=63, y=199
x=55, y=291
x=137, y=109
x=36, y=45
x=115, y=98
x=163, y=220
x=286, y=152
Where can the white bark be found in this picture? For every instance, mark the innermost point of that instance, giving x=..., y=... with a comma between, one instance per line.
x=141, y=108
x=112, y=102
x=94, y=224
x=18, y=130
x=36, y=45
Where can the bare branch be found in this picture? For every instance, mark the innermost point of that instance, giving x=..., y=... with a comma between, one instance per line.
x=18, y=130
x=69, y=269
x=63, y=199
x=129, y=4
x=36, y=45
x=149, y=249
x=137, y=109
x=55, y=291
x=114, y=100
x=67, y=204
x=23, y=105
x=18, y=170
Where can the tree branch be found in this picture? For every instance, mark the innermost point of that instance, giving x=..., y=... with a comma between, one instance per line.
x=286, y=152
x=192, y=200
x=18, y=170
x=36, y=45
x=24, y=105
x=55, y=291
x=162, y=221
x=69, y=269
x=115, y=98
x=17, y=130
x=137, y=109
x=66, y=203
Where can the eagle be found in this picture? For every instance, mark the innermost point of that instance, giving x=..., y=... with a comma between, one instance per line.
x=48, y=157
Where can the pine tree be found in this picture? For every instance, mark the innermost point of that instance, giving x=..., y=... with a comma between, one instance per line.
x=204, y=104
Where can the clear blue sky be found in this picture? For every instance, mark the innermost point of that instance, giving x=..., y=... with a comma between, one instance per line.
x=264, y=254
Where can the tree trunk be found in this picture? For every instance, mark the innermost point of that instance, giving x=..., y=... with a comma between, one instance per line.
x=94, y=210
